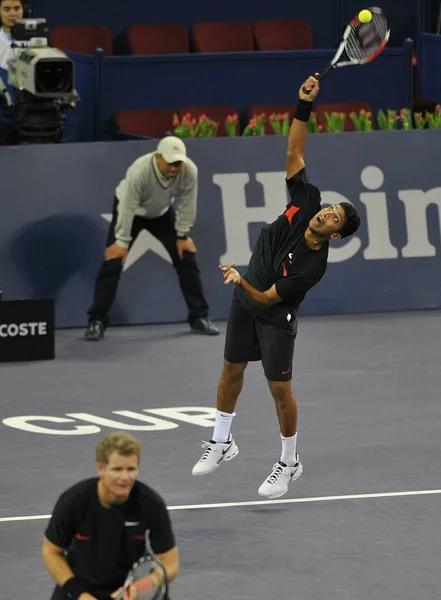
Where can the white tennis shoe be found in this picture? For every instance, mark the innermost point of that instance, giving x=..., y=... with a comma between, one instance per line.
x=277, y=483
x=215, y=453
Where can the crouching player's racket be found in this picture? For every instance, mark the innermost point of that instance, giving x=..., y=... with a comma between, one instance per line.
x=361, y=42
x=142, y=581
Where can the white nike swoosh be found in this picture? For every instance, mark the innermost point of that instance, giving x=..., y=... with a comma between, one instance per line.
x=131, y=523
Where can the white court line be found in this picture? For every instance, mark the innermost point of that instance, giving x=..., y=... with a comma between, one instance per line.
x=266, y=502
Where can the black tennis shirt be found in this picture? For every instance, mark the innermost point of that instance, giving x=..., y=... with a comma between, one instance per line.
x=281, y=256
x=102, y=544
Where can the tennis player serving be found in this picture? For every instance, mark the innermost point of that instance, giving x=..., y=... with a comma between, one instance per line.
x=290, y=257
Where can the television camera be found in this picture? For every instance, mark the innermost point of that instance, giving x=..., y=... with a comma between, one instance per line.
x=41, y=84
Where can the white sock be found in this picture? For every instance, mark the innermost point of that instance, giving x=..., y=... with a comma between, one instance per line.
x=289, y=449
x=222, y=426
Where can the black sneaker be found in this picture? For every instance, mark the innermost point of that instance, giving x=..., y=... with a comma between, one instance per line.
x=204, y=327
x=95, y=331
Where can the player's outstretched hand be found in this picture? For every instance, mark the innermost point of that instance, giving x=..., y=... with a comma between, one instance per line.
x=312, y=86
x=230, y=274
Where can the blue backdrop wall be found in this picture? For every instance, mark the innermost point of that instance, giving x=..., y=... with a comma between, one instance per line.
x=56, y=202
x=244, y=79
x=240, y=80
x=109, y=84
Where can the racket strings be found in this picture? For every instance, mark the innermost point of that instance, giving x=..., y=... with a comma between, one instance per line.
x=142, y=589
x=142, y=586
x=366, y=39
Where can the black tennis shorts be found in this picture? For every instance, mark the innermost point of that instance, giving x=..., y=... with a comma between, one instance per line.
x=268, y=335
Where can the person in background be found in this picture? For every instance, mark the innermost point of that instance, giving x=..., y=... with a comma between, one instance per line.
x=10, y=11
x=144, y=200
x=98, y=527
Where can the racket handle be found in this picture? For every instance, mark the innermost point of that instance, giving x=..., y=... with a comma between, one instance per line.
x=320, y=76
x=325, y=71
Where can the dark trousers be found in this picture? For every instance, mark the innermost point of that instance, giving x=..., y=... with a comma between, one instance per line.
x=163, y=228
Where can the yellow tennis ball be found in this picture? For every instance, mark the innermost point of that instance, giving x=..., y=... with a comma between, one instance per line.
x=365, y=16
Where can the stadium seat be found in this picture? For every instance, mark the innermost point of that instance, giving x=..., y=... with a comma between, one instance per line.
x=158, y=39
x=84, y=39
x=146, y=122
x=233, y=36
x=288, y=34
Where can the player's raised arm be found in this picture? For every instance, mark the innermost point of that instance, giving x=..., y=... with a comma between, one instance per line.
x=297, y=134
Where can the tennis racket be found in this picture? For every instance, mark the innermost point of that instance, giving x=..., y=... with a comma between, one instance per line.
x=361, y=43
x=139, y=583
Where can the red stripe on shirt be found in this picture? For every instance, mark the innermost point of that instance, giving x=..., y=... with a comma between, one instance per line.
x=284, y=271
x=291, y=212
